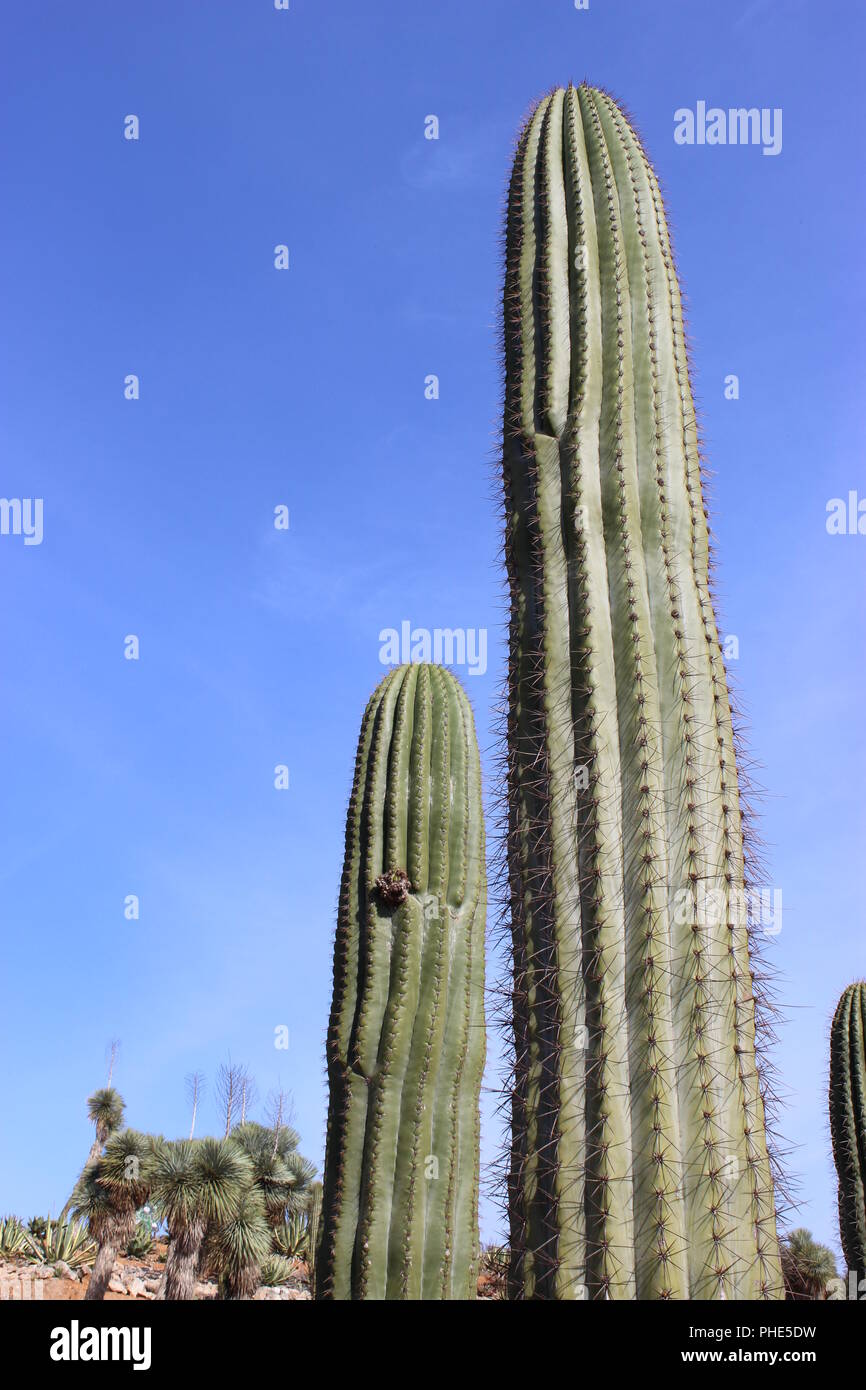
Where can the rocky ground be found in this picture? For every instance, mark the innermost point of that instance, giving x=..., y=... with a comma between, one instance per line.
x=131, y=1279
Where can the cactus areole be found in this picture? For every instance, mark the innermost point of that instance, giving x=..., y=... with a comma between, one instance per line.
x=405, y=1045
x=848, y=1120
x=639, y=1164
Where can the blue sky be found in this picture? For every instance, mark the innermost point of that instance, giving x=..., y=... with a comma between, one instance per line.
x=305, y=388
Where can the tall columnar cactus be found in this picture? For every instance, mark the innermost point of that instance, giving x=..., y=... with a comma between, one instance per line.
x=406, y=1039
x=848, y=1120
x=639, y=1164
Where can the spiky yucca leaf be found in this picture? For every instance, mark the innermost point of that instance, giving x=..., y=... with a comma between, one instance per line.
x=92, y=1201
x=241, y=1245
x=175, y=1181
x=281, y=1173
x=126, y=1168
x=275, y=1181
x=198, y=1178
x=255, y=1138
x=224, y=1171
x=105, y=1109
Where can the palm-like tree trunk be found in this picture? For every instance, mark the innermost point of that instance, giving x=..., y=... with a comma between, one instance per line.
x=181, y=1267
x=102, y=1267
x=241, y=1284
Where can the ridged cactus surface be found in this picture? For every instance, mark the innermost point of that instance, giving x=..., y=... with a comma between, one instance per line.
x=639, y=1160
x=406, y=1039
x=848, y=1120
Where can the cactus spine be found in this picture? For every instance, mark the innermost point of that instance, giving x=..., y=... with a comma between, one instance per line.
x=639, y=1164
x=406, y=1039
x=848, y=1120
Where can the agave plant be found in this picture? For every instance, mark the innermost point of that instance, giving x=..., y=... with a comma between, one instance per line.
x=69, y=1241
x=241, y=1245
x=105, y=1110
x=807, y=1267
x=291, y=1239
x=142, y=1236
x=13, y=1236
x=108, y=1195
x=275, y=1271
x=195, y=1182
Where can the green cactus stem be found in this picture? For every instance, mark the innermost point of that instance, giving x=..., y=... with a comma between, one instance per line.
x=639, y=1164
x=848, y=1120
x=406, y=1041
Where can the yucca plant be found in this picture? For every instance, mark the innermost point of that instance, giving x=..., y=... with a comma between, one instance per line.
x=69, y=1241
x=105, y=1110
x=37, y=1226
x=195, y=1182
x=108, y=1195
x=241, y=1245
x=281, y=1173
x=807, y=1267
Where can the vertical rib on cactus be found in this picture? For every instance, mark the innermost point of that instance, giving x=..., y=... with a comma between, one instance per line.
x=406, y=1039
x=639, y=1164
x=848, y=1120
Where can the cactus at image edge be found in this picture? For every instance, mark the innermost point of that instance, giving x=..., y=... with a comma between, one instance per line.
x=848, y=1120
x=406, y=1040
x=639, y=1164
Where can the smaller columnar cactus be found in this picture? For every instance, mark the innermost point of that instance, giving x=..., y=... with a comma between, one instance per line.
x=848, y=1120
x=406, y=1039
